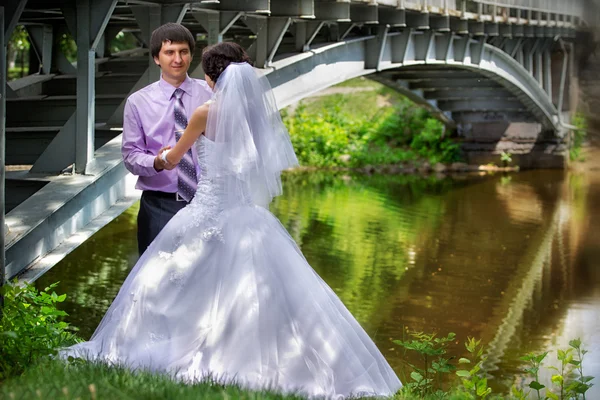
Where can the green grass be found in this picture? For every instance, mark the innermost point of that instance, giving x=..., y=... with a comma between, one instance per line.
x=53, y=379
x=58, y=380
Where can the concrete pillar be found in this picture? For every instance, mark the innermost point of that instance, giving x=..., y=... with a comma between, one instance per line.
x=486, y=135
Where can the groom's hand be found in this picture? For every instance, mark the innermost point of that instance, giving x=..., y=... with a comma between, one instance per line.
x=159, y=164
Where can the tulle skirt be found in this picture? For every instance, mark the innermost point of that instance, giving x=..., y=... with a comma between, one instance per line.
x=236, y=301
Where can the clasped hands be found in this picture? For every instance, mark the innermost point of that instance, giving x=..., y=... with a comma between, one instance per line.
x=161, y=162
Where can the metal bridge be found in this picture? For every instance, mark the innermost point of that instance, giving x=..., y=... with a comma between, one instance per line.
x=499, y=72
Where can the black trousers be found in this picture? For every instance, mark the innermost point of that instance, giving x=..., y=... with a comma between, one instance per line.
x=156, y=209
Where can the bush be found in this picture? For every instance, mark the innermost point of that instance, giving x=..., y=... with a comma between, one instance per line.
x=30, y=327
x=325, y=132
x=578, y=137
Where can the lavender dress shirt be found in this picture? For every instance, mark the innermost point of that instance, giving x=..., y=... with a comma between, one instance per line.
x=149, y=125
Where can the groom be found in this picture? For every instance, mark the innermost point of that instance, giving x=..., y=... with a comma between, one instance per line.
x=154, y=118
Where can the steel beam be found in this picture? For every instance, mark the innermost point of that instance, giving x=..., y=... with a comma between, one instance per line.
x=173, y=13
x=454, y=83
x=148, y=19
x=277, y=27
x=477, y=48
x=418, y=20
x=401, y=45
x=293, y=8
x=506, y=30
x=365, y=13
x=375, y=48
x=42, y=41
x=332, y=11
x=440, y=23
x=421, y=73
x=211, y=22
x=393, y=17
x=346, y=28
x=462, y=49
x=86, y=68
x=459, y=26
x=312, y=30
x=2, y=152
x=415, y=97
x=60, y=63
x=424, y=46
x=466, y=93
x=259, y=50
x=480, y=105
x=444, y=46
x=548, y=72
x=12, y=13
x=101, y=11
x=254, y=6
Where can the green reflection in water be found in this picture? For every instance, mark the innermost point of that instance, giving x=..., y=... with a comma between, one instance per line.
x=508, y=259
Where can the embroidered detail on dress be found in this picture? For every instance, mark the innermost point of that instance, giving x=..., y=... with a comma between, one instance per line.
x=165, y=255
x=205, y=207
x=177, y=278
x=156, y=338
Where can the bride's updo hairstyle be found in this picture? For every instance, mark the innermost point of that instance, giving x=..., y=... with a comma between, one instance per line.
x=217, y=57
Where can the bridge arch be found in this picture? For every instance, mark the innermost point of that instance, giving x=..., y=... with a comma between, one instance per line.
x=483, y=72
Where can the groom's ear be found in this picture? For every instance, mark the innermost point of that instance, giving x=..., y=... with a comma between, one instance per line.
x=156, y=61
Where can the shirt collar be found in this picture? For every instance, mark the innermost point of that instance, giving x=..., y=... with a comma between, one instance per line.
x=169, y=89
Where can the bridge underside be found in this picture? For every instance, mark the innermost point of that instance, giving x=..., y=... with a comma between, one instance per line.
x=498, y=77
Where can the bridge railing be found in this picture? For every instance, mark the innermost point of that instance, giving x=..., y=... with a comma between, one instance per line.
x=585, y=10
x=574, y=8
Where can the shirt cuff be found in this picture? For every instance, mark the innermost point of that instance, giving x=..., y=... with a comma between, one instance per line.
x=148, y=164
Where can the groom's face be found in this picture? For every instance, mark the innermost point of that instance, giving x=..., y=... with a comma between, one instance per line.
x=174, y=60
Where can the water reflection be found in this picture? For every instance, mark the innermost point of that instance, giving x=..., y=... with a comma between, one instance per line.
x=508, y=259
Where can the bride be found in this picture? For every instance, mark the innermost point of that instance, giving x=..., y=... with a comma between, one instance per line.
x=223, y=291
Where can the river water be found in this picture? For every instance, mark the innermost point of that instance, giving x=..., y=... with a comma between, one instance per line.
x=510, y=259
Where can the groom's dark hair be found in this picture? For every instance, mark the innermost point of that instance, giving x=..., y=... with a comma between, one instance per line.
x=217, y=57
x=170, y=32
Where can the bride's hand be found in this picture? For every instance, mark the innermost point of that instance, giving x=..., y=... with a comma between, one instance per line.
x=161, y=162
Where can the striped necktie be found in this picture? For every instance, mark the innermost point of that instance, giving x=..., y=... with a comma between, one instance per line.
x=187, y=179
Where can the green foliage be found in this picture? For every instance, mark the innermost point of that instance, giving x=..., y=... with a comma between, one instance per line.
x=326, y=131
x=30, y=327
x=123, y=41
x=473, y=379
x=582, y=383
x=568, y=380
x=19, y=39
x=427, y=380
x=67, y=46
x=578, y=137
x=506, y=157
x=18, y=51
x=534, y=361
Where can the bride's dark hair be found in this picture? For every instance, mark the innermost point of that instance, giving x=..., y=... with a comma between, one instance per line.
x=217, y=57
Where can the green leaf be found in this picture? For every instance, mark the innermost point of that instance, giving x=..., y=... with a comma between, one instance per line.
x=463, y=373
x=535, y=385
x=557, y=379
x=467, y=384
x=463, y=360
x=552, y=396
x=416, y=376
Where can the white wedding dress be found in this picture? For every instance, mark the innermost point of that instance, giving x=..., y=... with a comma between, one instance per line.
x=224, y=292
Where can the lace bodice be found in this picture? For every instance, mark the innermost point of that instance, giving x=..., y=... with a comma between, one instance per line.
x=216, y=193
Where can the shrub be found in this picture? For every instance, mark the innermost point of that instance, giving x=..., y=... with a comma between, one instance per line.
x=30, y=327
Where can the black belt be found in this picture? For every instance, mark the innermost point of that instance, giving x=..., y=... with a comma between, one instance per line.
x=163, y=195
